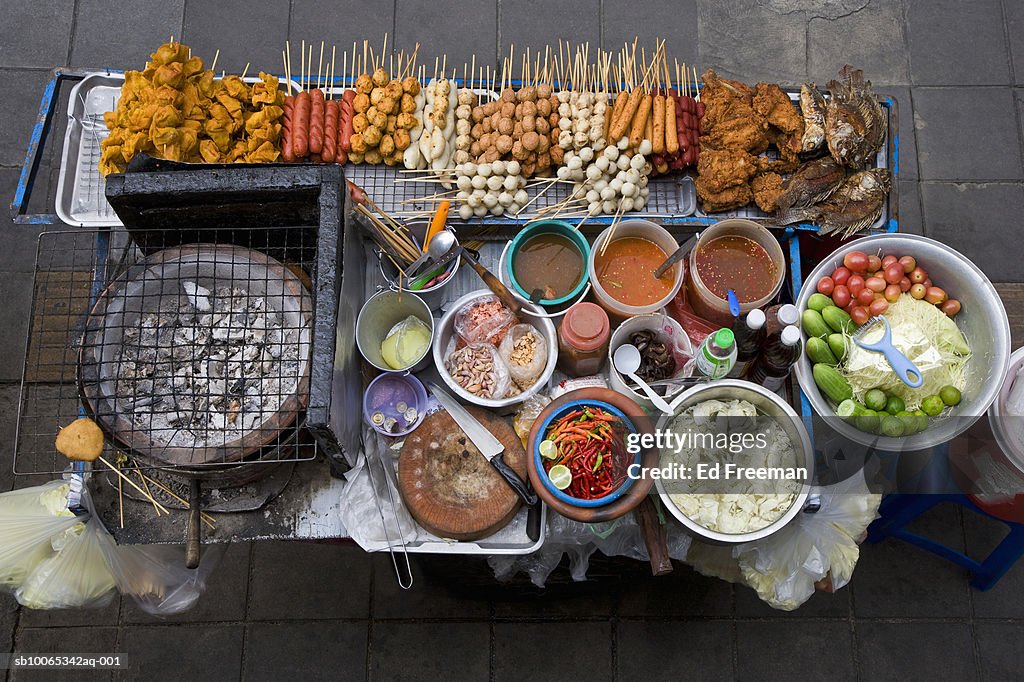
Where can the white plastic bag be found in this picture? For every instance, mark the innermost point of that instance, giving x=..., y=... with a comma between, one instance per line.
x=155, y=576
x=32, y=521
x=524, y=372
x=77, y=576
x=461, y=367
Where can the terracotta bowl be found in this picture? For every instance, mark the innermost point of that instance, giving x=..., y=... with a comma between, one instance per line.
x=636, y=493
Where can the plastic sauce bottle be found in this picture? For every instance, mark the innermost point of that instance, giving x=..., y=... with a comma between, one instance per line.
x=583, y=340
x=749, y=332
x=717, y=354
x=772, y=367
x=779, y=316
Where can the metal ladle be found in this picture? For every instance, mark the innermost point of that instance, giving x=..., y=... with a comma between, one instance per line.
x=439, y=245
x=627, y=361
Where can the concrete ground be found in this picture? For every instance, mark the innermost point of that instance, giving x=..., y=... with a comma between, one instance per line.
x=278, y=611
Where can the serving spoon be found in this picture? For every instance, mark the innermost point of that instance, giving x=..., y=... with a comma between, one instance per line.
x=627, y=361
x=440, y=244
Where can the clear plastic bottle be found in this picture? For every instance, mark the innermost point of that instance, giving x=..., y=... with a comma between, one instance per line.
x=717, y=354
x=772, y=367
x=779, y=316
x=749, y=332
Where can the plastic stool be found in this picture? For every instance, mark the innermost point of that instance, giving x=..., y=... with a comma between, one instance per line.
x=899, y=510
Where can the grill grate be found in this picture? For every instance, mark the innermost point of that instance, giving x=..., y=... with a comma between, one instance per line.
x=189, y=357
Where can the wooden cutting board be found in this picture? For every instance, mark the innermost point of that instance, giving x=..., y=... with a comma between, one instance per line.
x=447, y=484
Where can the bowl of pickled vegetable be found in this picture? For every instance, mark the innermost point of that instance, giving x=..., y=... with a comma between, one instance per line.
x=580, y=455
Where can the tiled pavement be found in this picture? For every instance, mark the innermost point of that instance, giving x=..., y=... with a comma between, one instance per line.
x=284, y=611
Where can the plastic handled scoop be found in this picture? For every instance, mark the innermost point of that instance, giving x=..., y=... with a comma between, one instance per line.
x=441, y=244
x=904, y=368
x=734, y=303
x=627, y=361
x=437, y=223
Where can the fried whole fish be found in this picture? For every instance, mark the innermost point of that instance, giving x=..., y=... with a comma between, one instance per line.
x=855, y=205
x=813, y=182
x=812, y=108
x=855, y=125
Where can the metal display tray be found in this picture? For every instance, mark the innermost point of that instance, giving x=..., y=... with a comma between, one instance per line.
x=80, y=199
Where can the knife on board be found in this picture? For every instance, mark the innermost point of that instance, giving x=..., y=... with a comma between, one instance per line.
x=485, y=442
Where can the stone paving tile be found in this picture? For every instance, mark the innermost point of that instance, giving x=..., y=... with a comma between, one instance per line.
x=305, y=580
x=35, y=33
x=596, y=602
x=1013, y=13
x=804, y=643
x=175, y=653
x=909, y=199
x=143, y=26
x=65, y=641
x=938, y=30
x=18, y=113
x=429, y=597
x=871, y=38
x=1001, y=655
x=967, y=134
x=584, y=651
x=683, y=593
x=428, y=651
x=340, y=23
x=422, y=21
x=1003, y=600
x=16, y=293
x=537, y=25
x=971, y=217
x=623, y=20
x=245, y=32
x=223, y=600
x=92, y=617
x=728, y=43
x=907, y=137
x=8, y=620
x=306, y=651
x=896, y=580
x=8, y=426
x=914, y=651
x=820, y=605
x=670, y=651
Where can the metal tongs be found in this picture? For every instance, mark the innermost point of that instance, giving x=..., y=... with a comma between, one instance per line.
x=405, y=585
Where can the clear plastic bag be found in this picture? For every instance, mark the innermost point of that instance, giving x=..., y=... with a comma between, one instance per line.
x=526, y=359
x=492, y=382
x=527, y=415
x=75, y=577
x=406, y=343
x=155, y=576
x=485, y=320
x=32, y=522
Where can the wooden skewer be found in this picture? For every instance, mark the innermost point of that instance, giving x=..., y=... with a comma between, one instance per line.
x=288, y=81
x=148, y=491
x=245, y=70
x=213, y=66
x=120, y=502
x=132, y=483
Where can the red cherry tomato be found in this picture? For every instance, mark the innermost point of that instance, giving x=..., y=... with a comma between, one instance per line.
x=841, y=296
x=935, y=295
x=918, y=291
x=928, y=283
x=905, y=284
x=875, y=283
x=893, y=273
x=951, y=307
x=865, y=296
x=855, y=284
x=874, y=263
x=841, y=274
x=878, y=307
x=826, y=285
x=889, y=259
x=908, y=263
x=893, y=291
x=857, y=261
x=860, y=315
x=917, y=276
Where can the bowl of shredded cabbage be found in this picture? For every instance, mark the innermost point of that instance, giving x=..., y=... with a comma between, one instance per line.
x=973, y=356
x=736, y=462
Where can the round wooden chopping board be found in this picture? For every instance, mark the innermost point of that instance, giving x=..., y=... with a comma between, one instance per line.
x=447, y=484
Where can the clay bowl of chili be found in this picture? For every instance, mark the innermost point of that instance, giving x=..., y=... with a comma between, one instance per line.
x=606, y=505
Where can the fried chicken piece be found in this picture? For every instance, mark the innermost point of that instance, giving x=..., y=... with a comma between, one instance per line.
x=767, y=188
x=776, y=106
x=748, y=132
x=730, y=121
x=726, y=200
x=721, y=169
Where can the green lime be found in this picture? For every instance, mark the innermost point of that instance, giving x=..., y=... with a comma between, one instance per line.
x=909, y=422
x=894, y=404
x=560, y=476
x=867, y=422
x=950, y=395
x=932, y=405
x=922, y=420
x=891, y=426
x=548, y=449
x=848, y=409
x=875, y=399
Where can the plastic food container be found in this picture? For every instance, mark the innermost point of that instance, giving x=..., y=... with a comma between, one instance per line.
x=644, y=229
x=557, y=227
x=710, y=306
x=667, y=330
x=379, y=315
x=583, y=339
x=387, y=395
x=444, y=334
